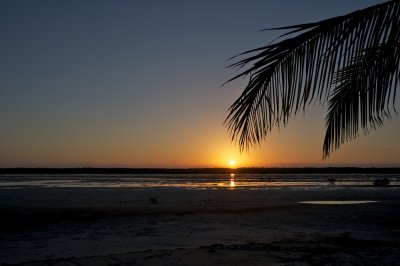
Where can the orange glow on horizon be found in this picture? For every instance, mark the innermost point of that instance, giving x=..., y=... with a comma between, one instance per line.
x=228, y=155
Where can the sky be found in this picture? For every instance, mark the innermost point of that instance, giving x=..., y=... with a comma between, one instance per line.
x=138, y=84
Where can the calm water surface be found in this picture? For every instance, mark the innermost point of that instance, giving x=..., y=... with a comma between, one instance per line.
x=193, y=181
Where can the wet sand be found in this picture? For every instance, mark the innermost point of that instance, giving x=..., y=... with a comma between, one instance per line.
x=89, y=226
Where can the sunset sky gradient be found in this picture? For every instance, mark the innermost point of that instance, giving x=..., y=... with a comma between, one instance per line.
x=138, y=84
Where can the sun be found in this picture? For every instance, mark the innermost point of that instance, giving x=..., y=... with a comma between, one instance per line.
x=232, y=163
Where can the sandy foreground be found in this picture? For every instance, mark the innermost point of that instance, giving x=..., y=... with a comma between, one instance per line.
x=89, y=226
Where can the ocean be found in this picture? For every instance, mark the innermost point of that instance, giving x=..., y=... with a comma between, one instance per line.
x=193, y=181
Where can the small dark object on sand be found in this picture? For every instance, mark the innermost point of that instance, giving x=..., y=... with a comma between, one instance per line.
x=332, y=180
x=211, y=250
x=382, y=182
x=154, y=200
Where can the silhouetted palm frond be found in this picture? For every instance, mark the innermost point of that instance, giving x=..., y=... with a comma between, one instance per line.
x=362, y=96
x=356, y=54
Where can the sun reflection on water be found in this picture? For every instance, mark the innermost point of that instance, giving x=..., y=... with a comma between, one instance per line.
x=232, y=183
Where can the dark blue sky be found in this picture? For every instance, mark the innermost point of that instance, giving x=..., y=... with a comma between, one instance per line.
x=137, y=83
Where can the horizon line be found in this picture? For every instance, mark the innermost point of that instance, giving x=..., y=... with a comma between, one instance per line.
x=203, y=170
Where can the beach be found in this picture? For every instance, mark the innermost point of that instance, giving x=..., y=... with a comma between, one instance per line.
x=170, y=226
x=200, y=133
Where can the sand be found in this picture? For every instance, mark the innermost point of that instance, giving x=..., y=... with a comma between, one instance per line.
x=89, y=226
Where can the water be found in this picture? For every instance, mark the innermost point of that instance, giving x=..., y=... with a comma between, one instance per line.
x=192, y=181
x=338, y=202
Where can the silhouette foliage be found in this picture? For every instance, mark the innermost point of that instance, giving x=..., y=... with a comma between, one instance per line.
x=350, y=63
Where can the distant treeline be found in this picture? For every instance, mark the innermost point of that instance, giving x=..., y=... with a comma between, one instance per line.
x=256, y=170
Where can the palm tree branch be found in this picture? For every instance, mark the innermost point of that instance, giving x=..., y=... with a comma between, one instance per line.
x=287, y=76
x=362, y=95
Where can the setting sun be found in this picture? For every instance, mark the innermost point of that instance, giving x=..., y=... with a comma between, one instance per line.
x=232, y=162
